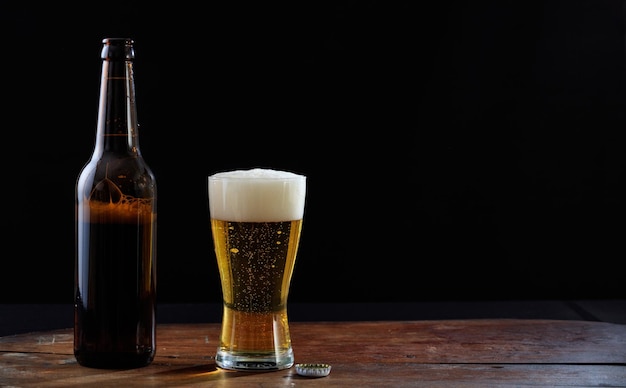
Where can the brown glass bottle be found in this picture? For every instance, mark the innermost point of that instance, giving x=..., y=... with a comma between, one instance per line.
x=116, y=219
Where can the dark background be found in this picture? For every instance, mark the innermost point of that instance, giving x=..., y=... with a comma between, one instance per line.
x=454, y=150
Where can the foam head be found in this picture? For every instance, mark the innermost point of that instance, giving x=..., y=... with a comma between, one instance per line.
x=256, y=195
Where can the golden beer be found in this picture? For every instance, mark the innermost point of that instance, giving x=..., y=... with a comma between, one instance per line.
x=256, y=221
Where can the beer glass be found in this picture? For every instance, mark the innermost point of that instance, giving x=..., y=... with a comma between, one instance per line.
x=256, y=219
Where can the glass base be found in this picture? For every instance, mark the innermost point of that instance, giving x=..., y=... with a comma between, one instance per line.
x=254, y=361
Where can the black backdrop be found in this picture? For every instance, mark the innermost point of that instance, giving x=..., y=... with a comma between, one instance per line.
x=454, y=150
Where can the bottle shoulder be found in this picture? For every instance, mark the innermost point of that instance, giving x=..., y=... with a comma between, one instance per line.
x=131, y=175
x=117, y=160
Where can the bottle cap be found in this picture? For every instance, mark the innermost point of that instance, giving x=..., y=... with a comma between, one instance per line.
x=313, y=370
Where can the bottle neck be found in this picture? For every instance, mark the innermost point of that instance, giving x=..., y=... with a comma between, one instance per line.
x=117, y=129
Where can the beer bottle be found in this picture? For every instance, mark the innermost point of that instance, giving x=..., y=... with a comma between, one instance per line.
x=115, y=257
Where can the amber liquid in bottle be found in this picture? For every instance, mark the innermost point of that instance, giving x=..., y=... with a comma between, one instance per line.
x=116, y=219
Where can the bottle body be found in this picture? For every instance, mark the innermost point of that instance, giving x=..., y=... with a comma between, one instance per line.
x=116, y=219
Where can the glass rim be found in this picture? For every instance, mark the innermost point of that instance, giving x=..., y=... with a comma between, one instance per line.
x=283, y=176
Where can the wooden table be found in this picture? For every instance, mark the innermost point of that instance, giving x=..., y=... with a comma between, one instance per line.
x=440, y=353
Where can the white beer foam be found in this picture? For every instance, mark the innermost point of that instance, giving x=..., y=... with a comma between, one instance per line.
x=257, y=195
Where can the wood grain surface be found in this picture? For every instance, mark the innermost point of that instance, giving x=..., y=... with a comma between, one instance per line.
x=444, y=353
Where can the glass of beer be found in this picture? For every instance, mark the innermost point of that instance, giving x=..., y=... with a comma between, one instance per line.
x=256, y=219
